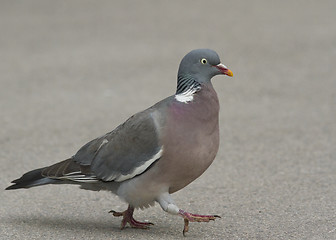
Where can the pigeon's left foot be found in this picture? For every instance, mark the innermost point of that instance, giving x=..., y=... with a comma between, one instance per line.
x=128, y=218
x=190, y=217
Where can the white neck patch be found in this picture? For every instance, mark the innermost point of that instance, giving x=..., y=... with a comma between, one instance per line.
x=186, y=96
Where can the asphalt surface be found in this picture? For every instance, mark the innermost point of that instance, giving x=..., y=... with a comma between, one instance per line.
x=73, y=70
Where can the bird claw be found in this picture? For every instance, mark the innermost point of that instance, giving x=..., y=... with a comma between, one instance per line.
x=190, y=217
x=128, y=218
x=186, y=227
x=116, y=214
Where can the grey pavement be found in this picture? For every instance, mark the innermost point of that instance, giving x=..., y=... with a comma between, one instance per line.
x=73, y=70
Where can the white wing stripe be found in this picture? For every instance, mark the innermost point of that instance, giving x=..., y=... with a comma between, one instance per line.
x=78, y=178
x=103, y=142
x=74, y=174
x=141, y=168
x=84, y=180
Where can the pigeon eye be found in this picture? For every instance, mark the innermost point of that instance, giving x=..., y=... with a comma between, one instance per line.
x=203, y=61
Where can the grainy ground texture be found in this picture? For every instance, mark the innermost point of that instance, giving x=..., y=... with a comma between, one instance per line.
x=73, y=70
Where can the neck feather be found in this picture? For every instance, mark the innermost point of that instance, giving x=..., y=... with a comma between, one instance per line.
x=186, y=88
x=187, y=83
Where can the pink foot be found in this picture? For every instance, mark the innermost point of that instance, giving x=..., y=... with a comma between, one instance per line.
x=128, y=218
x=190, y=217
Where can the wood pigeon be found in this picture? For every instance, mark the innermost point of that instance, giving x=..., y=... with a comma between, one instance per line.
x=154, y=153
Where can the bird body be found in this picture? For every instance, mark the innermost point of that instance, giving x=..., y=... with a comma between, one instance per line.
x=176, y=168
x=155, y=152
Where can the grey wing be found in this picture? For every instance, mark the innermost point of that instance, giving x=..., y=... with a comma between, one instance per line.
x=125, y=152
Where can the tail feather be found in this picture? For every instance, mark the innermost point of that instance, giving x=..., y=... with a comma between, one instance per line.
x=67, y=171
x=31, y=179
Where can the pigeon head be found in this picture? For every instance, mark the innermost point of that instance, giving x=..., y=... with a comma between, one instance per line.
x=202, y=65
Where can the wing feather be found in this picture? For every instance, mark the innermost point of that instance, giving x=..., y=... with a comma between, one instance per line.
x=125, y=152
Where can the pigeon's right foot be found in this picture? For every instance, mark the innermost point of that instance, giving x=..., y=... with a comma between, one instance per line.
x=128, y=218
x=195, y=218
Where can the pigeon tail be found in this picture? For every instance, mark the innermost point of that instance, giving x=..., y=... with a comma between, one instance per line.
x=31, y=179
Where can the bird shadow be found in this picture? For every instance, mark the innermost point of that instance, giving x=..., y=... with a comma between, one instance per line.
x=55, y=224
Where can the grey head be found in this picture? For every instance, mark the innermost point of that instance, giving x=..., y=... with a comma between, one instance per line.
x=198, y=67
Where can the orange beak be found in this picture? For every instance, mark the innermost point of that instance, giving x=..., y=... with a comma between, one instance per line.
x=224, y=70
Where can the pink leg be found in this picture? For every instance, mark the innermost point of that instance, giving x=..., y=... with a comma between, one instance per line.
x=128, y=218
x=195, y=218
